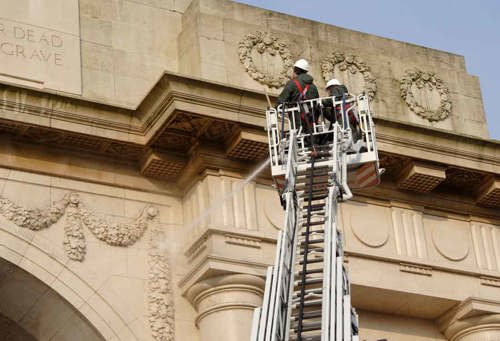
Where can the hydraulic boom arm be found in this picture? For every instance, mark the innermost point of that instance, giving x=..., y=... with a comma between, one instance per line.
x=314, y=163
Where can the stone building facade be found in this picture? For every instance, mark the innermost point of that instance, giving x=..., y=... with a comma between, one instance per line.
x=126, y=124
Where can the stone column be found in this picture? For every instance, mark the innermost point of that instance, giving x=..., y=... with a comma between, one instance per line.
x=225, y=306
x=478, y=328
x=473, y=320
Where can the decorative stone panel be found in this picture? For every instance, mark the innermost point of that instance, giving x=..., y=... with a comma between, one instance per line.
x=451, y=239
x=486, y=248
x=248, y=145
x=421, y=178
x=273, y=54
x=409, y=235
x=365, y=231
x=344, y=67
x=77, y=217
x=425, y=95
x=489, y=194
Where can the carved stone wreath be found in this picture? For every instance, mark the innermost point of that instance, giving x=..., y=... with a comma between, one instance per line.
x=423, y=79
x=353, y=64
x=265, y=42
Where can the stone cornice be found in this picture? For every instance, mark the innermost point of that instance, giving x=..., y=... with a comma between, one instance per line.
x=438, y=145
x=177, y=115
x=171, y=90
x=182, y=88
x=179, y=92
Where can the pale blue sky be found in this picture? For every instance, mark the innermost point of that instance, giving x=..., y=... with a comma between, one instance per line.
x=469, y=28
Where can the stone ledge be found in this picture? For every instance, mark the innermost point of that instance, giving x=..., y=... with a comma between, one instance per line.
x=215, y=251
x=415, y=269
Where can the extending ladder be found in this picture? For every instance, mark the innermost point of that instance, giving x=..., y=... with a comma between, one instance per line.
x=307, y=293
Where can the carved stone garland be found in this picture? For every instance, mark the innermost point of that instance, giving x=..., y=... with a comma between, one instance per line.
x=352, y=64
x=160, y=300
x=423, y=79
x=161, y=307
x=36, y=219
x=265, y=42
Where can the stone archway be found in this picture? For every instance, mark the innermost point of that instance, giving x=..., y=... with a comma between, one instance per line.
x=10, y=330
x=32, y=310
x=38, y=272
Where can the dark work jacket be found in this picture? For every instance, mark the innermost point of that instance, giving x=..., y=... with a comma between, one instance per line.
x=290, y=92
x=338, y=92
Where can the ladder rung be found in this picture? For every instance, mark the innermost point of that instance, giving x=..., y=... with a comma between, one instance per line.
x=307, y=298
x=313, y=250
x=311, y=303
x=306, y=338
x=314, y=184
x=314, y=198
x=311, y=271
x=314, y=214
x=314, y=223
x=311, y=233
x=316, y=207
x=310, y=326
x=317, y=260
x=316, y=241
x=312, y=237
x=309, y=281
x=308, y=315
x=309, y=291
x=320, y=194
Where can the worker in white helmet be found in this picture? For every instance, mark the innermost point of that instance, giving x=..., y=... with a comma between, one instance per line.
x=334, y=88
x=298, y=89
x=333, y=112
x=301, y=85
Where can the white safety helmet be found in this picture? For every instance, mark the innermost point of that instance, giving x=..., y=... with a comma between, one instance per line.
x=331, y=82
x=302, y=64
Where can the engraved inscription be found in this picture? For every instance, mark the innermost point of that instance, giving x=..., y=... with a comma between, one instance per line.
x=40, y=44
x=31, y=43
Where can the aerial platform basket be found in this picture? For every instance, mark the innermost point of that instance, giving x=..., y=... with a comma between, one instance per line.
x=354, y=130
